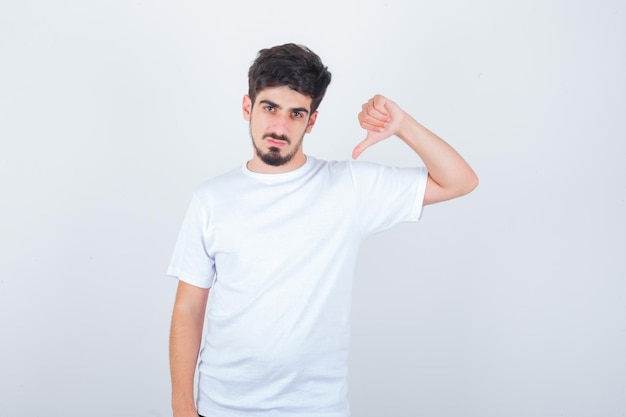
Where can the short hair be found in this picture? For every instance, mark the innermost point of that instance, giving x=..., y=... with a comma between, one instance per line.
x=292, y=65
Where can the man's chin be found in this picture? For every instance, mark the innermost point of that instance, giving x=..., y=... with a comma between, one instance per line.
x=274, y=158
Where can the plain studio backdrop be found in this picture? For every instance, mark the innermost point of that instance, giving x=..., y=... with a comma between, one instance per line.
x=508, y=302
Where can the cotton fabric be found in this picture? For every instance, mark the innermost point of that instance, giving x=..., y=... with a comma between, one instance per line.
x=279, y=251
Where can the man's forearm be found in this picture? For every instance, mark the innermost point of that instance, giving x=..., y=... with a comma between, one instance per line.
x=449, y=175
x=446, y=168
x=185, y=340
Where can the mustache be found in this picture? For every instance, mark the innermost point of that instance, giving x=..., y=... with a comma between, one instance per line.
x=277, y=137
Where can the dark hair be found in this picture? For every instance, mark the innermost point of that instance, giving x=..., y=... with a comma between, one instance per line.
x=295, y=66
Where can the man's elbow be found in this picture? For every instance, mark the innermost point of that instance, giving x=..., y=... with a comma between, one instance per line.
x=466, y=185
x=436, y=193
x=470, y=183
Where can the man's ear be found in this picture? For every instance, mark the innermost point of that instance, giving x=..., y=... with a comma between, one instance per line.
x=312, y=119
x=246, y=106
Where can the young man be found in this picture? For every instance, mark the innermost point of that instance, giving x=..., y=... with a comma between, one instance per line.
x=276, y=241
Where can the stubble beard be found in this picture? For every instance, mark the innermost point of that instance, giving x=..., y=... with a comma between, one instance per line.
x=273, y=156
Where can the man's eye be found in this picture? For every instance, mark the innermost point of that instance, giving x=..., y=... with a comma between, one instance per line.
x=269, y=108
x=297, y=114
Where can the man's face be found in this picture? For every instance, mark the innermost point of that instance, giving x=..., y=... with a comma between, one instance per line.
x=279, y=119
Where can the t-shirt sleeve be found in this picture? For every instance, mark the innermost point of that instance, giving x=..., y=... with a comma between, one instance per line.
x=387, y=195
x=191, y=262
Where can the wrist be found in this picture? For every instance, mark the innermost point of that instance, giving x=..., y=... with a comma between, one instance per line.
x=186, y=411
x=407, y=127
x=183, y=407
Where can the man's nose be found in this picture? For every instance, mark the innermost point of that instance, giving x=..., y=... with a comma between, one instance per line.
x=280, y=123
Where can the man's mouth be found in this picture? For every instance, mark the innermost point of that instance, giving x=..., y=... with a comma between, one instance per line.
x=277, y=140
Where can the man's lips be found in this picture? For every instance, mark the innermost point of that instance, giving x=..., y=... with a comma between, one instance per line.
x=277, y=142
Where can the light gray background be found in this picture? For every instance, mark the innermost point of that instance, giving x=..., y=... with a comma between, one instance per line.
x=508, y=302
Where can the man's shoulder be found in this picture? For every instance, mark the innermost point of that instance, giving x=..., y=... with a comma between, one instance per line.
x=349, y=166
x=330, y=165
x=219, y=183
x=235, y=177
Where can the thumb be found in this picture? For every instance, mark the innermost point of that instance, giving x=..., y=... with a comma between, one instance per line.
x=365, y=143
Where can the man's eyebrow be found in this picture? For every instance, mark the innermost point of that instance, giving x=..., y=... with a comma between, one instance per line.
x=278, y=106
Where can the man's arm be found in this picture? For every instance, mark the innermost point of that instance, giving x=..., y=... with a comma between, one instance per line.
x=449, y=176
x=185, y=339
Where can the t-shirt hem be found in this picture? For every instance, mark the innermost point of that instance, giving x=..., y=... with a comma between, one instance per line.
x=418, y=203
x=267, y=413
x=189, y=278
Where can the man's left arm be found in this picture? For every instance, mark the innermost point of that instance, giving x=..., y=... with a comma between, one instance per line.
x=449, y=176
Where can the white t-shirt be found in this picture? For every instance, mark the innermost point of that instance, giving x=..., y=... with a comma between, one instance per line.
x=279, y=251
